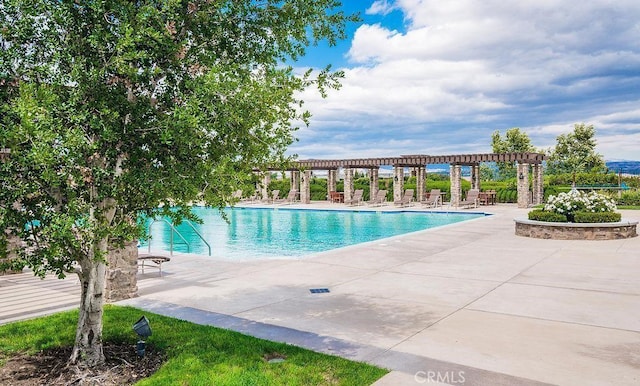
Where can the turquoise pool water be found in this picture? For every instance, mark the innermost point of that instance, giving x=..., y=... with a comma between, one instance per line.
x=264, y=233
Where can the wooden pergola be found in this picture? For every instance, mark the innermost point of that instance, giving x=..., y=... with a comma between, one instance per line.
x=301, y=173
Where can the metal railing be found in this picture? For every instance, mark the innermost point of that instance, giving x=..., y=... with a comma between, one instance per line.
x=175, y=231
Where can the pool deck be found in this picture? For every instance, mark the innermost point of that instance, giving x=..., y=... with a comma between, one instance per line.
x=469, y=303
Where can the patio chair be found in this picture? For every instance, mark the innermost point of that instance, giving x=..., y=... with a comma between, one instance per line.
x=407, y=198
x=434, y=199
x=472, y=199
x=291, y=197
x=335, y=196
x=380, y=198
x=356, y=199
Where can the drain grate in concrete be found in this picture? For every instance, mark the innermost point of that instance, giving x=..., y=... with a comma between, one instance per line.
x=319, y=290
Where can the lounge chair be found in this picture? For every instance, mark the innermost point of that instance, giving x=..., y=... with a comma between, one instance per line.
x=472, y=199
x=356, y=199
x=407, y=198
x=291, y=197
x=380, y=198
x=434, y=199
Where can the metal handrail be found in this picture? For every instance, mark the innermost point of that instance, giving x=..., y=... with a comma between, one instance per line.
x=199, y=235
x=173, y=229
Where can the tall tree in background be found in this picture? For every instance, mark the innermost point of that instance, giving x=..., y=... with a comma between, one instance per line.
x=514, y=141
x=112, y=108
x=575, y=152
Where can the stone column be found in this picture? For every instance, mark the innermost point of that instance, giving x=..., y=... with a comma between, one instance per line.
x=122, y=268
x=455, y=174
x=348, y=184
x=398, y=183
x=264, y=188
x=538, y=184
x=332, y=179
x=11, y=253
x=475, y=176
x=295, y=180
x=305, y=187
x=421, y=188
x=373, y=183
x=524, y=197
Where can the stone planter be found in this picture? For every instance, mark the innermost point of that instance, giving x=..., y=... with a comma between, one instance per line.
x=576, y=231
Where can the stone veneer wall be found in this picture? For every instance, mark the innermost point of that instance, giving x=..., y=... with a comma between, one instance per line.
x=576, y=231
x=122, y=270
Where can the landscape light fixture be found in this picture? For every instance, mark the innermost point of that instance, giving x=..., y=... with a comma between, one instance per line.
x=143, y=329
x=521, y=176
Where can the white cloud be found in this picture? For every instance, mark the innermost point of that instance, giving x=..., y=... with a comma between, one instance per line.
x=463, y=69
x=380, y=7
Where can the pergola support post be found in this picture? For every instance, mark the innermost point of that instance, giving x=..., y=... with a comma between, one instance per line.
x=295, y=180
x=475, y=176
x=305, y=187
x=348, y=184
x=455, y=174
x=264, y=187
x=398, y=183
x=373, y=182
x=421, y=187
x=538, y=184
x=524, y=198
x=332, y=182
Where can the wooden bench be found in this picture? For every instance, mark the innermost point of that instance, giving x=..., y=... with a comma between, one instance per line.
x=145, y=260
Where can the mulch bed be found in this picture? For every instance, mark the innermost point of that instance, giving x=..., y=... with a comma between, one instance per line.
x=123, y=367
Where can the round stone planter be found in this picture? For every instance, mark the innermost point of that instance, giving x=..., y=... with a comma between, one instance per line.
x=576, y=231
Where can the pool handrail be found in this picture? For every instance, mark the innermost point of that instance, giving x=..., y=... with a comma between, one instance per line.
x=199, y=235
x=173, y=229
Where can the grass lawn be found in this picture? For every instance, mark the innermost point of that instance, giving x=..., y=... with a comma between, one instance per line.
x=196, y=354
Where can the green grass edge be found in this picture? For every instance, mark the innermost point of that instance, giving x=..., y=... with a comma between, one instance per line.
x=196, y=354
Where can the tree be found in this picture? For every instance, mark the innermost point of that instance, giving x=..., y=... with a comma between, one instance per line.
x=515, y=141
x=114, y=108
x=575, y=152
x=487, y=173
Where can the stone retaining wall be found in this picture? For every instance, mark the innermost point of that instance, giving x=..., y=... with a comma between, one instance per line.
x=576, y=231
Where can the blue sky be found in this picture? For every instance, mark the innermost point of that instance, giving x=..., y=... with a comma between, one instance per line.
x=439, y=77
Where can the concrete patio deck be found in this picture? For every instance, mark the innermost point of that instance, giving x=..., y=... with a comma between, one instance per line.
x=469, y=303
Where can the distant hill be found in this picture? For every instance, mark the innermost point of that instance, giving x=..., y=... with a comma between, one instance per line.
x=626, y=167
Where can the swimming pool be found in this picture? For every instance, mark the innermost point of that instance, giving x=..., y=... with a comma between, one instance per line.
x=269, y=233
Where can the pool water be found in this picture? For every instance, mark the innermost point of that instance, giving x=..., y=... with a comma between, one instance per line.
x=263, y=233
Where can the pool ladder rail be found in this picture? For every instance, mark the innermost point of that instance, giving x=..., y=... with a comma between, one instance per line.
x=174, y=230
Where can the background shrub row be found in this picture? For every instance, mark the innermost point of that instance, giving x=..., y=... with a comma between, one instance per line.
x=506, y=191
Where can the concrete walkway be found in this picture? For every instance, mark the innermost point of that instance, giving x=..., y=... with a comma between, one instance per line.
x=469, y=303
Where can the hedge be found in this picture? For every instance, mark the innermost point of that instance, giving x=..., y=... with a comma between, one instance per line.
x=542, y=215
x=629, y=198
x=593, y=217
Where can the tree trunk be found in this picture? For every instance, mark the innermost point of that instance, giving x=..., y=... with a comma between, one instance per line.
x=88, y=345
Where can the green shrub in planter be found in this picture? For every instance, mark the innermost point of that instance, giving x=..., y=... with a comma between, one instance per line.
x=593, y=217
x=542, y=215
